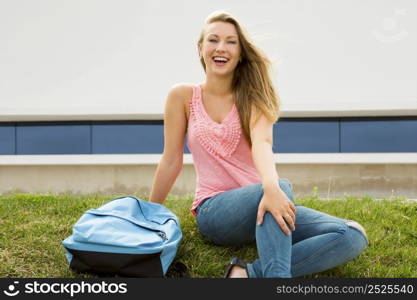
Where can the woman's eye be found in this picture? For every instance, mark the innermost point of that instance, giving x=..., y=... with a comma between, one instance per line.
x=231, y=42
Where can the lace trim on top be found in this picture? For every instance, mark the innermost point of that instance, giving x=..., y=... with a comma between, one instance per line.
x=218, y=139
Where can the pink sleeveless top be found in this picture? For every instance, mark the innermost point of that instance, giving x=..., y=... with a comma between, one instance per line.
x=221, y=153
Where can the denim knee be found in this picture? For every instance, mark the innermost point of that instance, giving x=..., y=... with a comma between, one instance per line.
x=355, y=242
x=286, y=187
x=358, y=241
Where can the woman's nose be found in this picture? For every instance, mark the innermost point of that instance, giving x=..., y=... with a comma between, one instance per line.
x=220, y=46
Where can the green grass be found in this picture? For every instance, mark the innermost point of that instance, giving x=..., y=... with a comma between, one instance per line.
x=33, y=226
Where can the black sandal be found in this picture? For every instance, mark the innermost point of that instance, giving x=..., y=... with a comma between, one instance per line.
x=235, y=261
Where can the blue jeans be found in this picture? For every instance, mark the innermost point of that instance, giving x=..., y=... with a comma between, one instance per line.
x=319, y=242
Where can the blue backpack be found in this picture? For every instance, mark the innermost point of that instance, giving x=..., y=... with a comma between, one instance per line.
x=127, y=236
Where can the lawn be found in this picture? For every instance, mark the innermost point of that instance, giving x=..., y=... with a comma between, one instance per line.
x=33, y=226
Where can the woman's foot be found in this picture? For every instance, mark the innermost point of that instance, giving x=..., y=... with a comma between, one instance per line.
x=357, y=226
x=238, y=272
x=237, y=268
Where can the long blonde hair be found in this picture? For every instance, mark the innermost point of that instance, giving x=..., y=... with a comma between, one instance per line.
x=251, y=80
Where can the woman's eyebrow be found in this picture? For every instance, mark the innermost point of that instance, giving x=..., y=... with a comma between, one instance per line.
x=226, y=37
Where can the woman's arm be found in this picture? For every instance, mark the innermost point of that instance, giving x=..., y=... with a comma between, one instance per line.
x=165, y=176
x=274, y=199
x=175, y=128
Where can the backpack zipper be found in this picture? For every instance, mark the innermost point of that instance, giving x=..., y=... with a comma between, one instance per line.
x=163, y=235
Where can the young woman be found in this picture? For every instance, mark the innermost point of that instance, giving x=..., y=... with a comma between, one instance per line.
x=228, y=120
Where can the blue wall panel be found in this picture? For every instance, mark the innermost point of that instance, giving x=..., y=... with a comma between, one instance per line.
x=53, y=139
x=306, y=136
x=186, y=150
x=128, y=138
x=7, y=139
x=292, y=135
x=379, y=135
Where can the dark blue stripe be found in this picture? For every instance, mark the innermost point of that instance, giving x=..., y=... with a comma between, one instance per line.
x=127, y=138
x=378, y=135
x=53, y=139
x=7, y=139
x=291, y=135
x=301, y=136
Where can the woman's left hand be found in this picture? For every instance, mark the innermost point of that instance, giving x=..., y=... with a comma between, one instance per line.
x=281, y=208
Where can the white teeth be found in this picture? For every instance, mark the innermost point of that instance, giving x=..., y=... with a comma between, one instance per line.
x=220, y=59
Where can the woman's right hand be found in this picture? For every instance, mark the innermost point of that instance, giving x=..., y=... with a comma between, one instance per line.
x=281, y=208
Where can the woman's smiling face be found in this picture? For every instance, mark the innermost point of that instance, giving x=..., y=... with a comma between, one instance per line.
x=220, y=48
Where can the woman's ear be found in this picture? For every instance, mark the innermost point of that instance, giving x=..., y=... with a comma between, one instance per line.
x=199, y=50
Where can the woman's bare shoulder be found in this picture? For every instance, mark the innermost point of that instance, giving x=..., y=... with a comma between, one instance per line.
x=183, y=92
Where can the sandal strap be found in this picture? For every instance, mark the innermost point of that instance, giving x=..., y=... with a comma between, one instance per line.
x=235, y=261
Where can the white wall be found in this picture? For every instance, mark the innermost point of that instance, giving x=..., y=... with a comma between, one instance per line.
x=102, y=59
